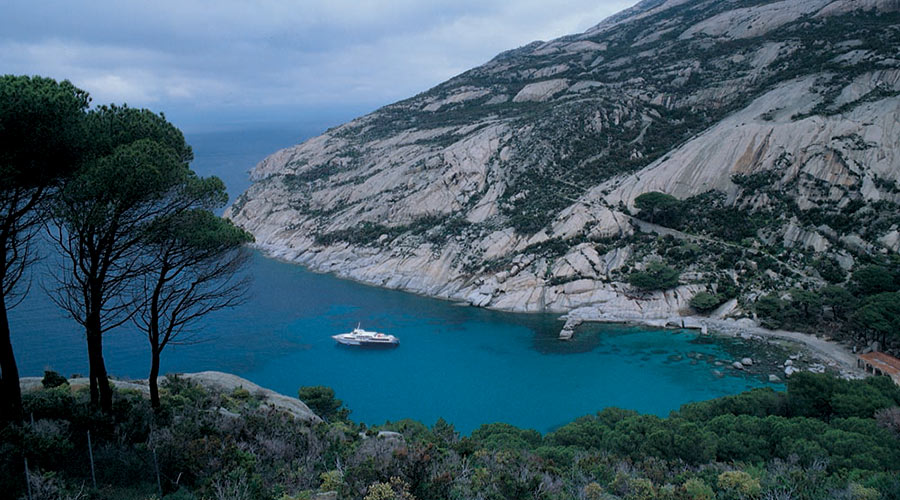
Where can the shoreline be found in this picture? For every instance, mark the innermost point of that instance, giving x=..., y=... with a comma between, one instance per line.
x=828, y=352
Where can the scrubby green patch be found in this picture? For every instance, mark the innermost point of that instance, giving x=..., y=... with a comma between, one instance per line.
x=705, y=214
x=823, y=438
x=737, y=253
x=864, y=309
x=704, y=302
x=657, y=276
x=372, y=233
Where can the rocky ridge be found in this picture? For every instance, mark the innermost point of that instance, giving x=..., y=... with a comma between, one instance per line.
x=512, y=185
x=220, y=381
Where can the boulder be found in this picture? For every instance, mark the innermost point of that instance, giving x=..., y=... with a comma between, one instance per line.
x=390, y=435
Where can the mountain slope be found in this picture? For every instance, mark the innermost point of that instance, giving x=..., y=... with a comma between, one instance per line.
x=513, y=184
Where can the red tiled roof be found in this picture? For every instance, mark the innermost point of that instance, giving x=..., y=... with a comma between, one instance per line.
x=885, y=363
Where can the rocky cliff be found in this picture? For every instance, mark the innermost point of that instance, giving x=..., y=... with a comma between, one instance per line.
x=512, y=185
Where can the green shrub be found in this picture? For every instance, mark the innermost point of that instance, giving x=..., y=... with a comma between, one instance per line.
x=738, y=484
x=696, y=489
x=49, y=403
x=52, y=379
x=505, y=436
x=240, y=394
x=870, y=280
x=771, y=310
x=321, y=401
x=593, y=491
x=705, y=302
x=860, y=492
x=332, y=480
x=879, y=315
x=659, y=208
x=657, y=276
x=830, y=270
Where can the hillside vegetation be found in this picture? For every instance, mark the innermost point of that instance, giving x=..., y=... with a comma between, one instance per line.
x=823, y=438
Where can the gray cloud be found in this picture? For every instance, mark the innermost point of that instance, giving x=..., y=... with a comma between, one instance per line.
x=219, y=57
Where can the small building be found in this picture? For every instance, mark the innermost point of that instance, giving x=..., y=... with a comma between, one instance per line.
x=879, y=363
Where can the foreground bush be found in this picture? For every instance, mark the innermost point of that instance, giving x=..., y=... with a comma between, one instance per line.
x=823, y=438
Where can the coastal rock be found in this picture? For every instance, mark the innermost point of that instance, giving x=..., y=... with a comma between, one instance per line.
x=747, y=362
x=221, y=381
x=227, y=382
x=737, y=365
x=774, y=378
x=568, y=329
x=512, y=185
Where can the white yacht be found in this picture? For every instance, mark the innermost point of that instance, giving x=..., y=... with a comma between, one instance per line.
x=366, y=338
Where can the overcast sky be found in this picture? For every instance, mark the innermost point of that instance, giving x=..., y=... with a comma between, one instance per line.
x=206, y=62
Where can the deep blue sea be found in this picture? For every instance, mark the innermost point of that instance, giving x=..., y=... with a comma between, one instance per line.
x=467, y=365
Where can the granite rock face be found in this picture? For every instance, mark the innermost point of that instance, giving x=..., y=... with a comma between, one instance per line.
x=512, y=185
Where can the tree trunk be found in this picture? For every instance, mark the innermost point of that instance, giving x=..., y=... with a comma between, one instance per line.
x=153, y=335
x=10, y=392
x=154, y=374
x=101, y=392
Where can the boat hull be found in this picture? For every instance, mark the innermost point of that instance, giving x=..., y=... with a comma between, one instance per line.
x=370, y=344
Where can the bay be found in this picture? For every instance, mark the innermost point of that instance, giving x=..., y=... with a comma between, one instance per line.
x=467, y=365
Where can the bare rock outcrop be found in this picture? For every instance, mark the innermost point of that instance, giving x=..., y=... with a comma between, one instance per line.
x=512, y=185
x=224, y=382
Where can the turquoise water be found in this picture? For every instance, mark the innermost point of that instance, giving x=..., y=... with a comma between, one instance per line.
x=467, y=365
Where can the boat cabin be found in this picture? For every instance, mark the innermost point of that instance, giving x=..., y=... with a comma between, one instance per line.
x=879, y=363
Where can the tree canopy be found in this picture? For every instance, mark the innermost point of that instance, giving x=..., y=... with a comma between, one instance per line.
x=657, y=276
x=41, y=130
x=41, y=141
x=194, y=258
x=705, y=302
x=137, y=171
x=872, y=279
x=880, y=314
x=659, y=208
x=320, y=399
